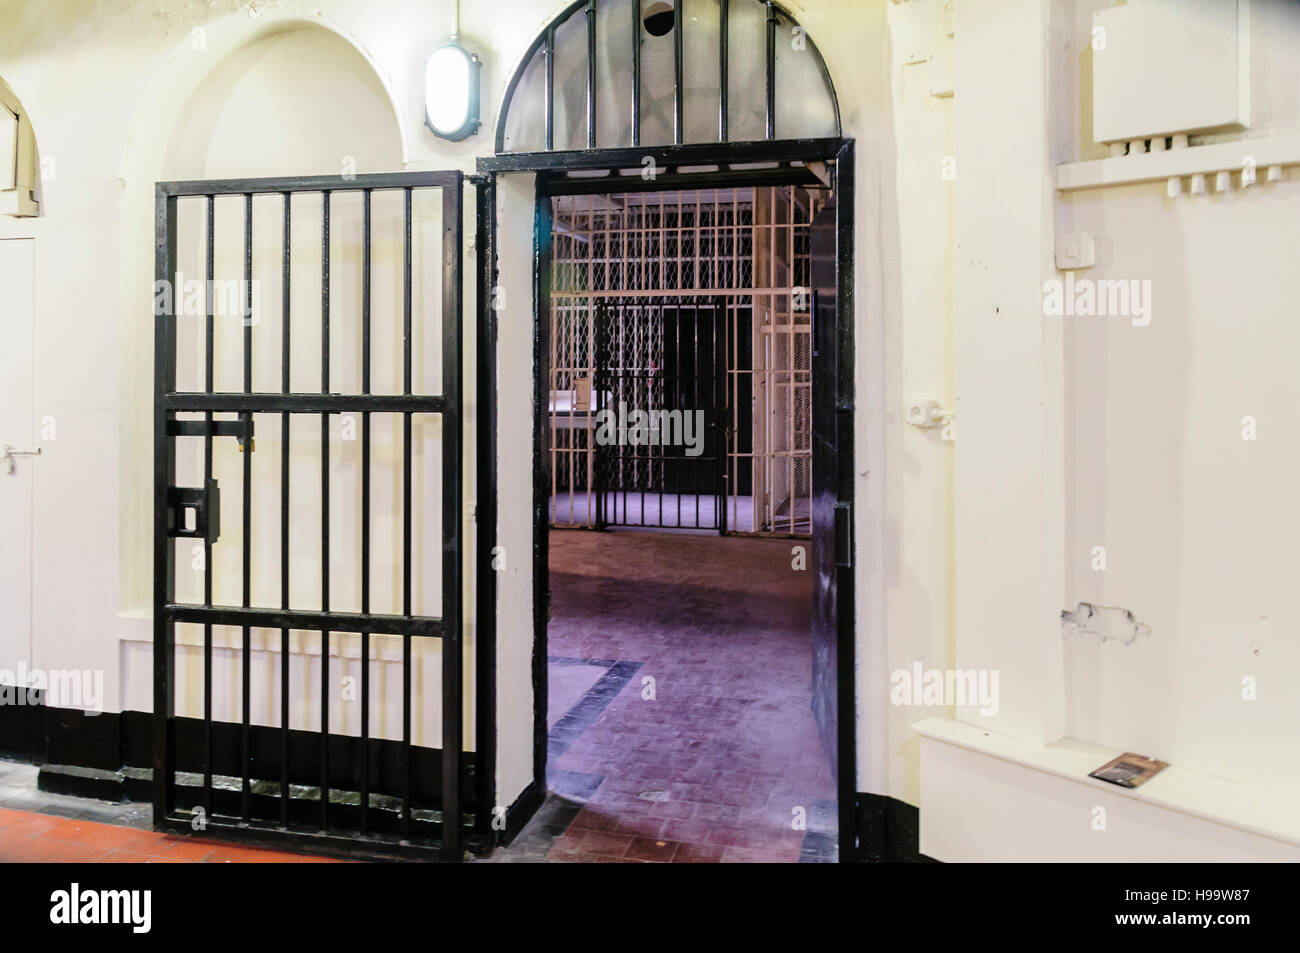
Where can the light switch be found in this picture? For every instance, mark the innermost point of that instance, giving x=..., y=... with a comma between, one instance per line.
x=1075, y=251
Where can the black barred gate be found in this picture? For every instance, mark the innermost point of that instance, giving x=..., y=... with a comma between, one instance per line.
x=234, y=762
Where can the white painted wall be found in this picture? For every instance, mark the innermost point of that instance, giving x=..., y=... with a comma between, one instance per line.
x=1198, y=523
x=18, y=428
x=1090, y=431
x=1009, y=499
x=516, y=197
x=107, y=90
x=907, y=607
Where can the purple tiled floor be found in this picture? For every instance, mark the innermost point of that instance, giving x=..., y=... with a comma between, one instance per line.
x=715, y=766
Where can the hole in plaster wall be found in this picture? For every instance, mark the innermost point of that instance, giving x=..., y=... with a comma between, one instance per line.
x=1108, y=623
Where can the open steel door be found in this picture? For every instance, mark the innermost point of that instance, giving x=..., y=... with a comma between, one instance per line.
x=832, y=524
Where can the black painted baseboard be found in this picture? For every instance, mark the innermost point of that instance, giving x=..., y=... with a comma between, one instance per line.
x=22, y=724
x=889, y=832
x=521, y=811
x=108, y=755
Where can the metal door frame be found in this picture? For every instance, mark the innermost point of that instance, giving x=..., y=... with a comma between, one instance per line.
x=793, y=156
x=169, y=500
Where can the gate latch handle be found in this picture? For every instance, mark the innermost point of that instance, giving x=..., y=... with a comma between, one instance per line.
x=10, y=451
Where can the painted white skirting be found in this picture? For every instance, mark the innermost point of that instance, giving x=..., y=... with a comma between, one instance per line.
x=990, y=797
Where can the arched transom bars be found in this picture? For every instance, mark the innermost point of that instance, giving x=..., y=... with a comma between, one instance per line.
x=626, y=73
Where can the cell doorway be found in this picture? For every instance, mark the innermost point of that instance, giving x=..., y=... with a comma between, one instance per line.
x=680, y=391
x=684, y=658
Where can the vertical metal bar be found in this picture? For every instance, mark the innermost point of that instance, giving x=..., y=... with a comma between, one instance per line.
x=615, y=349
x=722, y=70
x=486, y=509
x=636, y=73
x=550, y=88
x=406, y=508
x=789, y=409
x=285, y=658
x=164, y=550
x=667, y=464
x=591, y=74
x=771, y=71
x=679, y=25
x=734, y=338
x=209, y=362
x=695, y=402
x=246, y=659
x=325, y=511
x=791, y=382
x=452, y=661
x=559, y=266
x=679, y=483
x=719, y=414
x=662, y=454
x=699, y=281
x=595, y=484
x=739, y=231
x=568, y=248
x=365, y=515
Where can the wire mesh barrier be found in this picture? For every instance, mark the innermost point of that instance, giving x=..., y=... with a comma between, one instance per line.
x=660, y=300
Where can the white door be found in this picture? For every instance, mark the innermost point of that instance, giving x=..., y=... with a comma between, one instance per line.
x=17, y=429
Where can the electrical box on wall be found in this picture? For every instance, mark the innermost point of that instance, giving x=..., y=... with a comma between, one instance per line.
x=1162, y=67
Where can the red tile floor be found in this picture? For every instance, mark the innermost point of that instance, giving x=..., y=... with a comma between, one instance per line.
x=42, y=838
x=717, y=765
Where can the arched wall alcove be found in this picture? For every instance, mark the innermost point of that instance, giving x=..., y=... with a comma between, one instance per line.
x=292, y=97
x=301, y=101
x=189, y=125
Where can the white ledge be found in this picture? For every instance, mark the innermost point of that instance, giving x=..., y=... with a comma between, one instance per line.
x=1192, y=160
x=1241, y=806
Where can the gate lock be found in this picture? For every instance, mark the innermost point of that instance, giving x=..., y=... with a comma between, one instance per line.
x=204, y=502
x=195, y=512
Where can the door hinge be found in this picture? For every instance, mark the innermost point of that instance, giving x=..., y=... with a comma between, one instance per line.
x=844, y=535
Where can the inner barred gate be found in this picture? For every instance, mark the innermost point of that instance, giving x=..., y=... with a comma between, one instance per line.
x=690, y=302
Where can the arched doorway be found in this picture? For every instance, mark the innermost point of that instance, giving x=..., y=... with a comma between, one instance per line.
x=617, y=103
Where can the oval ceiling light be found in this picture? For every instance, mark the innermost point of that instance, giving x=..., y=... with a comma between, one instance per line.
x=451, y=78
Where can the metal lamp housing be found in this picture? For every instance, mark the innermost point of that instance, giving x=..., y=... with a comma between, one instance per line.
x=451, y=92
